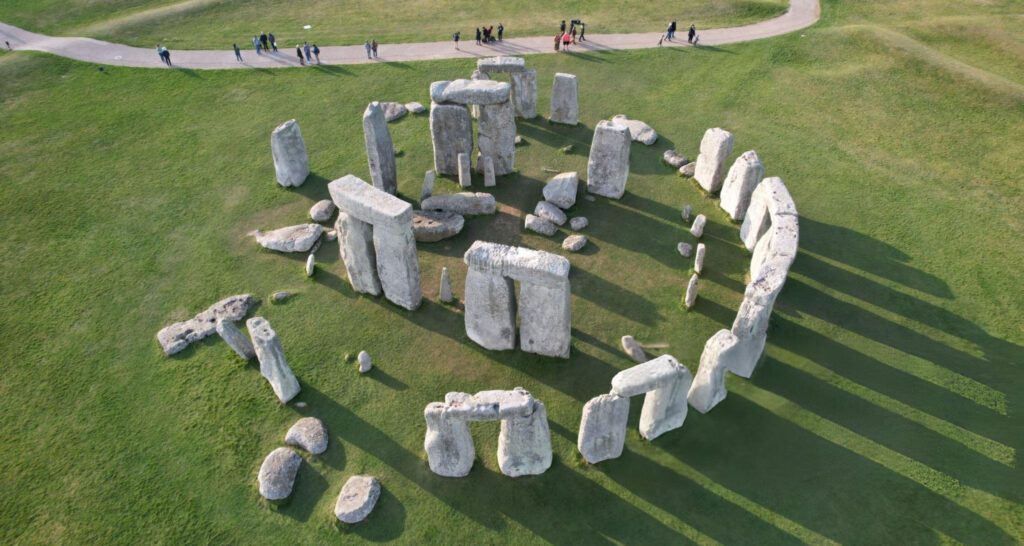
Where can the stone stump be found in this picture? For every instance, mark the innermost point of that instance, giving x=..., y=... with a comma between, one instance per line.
x=291, y=164
x=608, y=166
x=380, y=152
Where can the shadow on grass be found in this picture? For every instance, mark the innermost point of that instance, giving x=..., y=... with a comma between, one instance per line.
x=613, y=297
x=332, y=70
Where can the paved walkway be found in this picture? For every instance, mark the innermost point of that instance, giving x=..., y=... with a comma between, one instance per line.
x=801, y=14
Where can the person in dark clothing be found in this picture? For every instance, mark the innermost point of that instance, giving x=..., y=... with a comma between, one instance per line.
x=490, y=33
x=558, y=40
x=583, y=30
x=8, y=44
x=671, y=30
x=501, y=30
x=305, y=49
x=373, y=45
x=263, y=41
x=487, y=35
x=574, y=35
x=167, y=56
x=273, y=41
x=455, y=38
x=316, y=53
x=238, y=52
x=478, y=36
x=691, y=34
x=561, y=29
x=298, y=52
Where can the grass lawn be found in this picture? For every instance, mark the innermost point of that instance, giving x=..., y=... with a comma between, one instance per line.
x=216, y=24
x=887, y=408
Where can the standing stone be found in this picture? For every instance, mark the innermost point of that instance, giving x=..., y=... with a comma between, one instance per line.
x=322, y=210
x=550, y=212
x=490, y=302
x=698, y=263
x=715, y=147
x=496, y=136
x=524, y=93
x=277, y=473
x=708, y=387
x=697, y=229
x=357, y=498
x=565, y=106
x=608, y=166
x=561, y=189
x=691, y=291
x=465, y=175
x=751, y=330
x=770, y=199
x=451, y=131
x=291, y=164
x=665, y=407
x=235, y=339
x=687, y=211
x=309, y=433
x=487, y=166
x=603, y=428
x=446, y=286
x=448, y=443
x=379, y=150
x=781, y=241
x=355, y=244
x=310, y=264
x=744, y=175
x=273, y=366
x=474, y=109
x=365, y=363
x=428, y=185
x=524, y=444
x=545, y=318
x=633, y=349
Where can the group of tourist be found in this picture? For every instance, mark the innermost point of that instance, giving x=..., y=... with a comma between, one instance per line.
x=267, y=42
x=565, y=37
x=485, y=35
x=670, y=33
x=371, y=48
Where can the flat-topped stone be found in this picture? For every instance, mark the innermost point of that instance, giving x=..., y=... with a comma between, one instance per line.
x=430, y=226
x=522, y=264
x=561, y=189
x=501, y=64
x=646, y=377
x=369, y=204
x=464, y=91
x=179, y=335
x=489, y=405
x=357, y=498
x=461, y=203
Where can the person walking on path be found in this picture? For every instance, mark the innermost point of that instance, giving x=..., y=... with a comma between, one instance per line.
x=583, y=30
x=373, y=45
x=298, y=52
x=256, y=44
x=558, y=40
x=165, y=54
x=8, y=44
x=478, y=36
x=691, y=34
x=574, y=35
x=501, y=30
x=316, y=53
x=273, y=41
x=455, y=38
x=263, y=41
x=366, y=44
x=671, y=31
x=565, y=41
x=238, y=52
x=305, y=49
x=561, y=29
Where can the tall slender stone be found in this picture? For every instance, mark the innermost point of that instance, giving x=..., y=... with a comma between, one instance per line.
x=524, y=93
x=744, y=175
x=380, y=152
x=608, y=166
x=715, y=148
x=428, y=185
x=708, y=388
x=698, y=262
x=603, y=428
x=445, y=292
x=273, y=365
x=545, y=318
x=451, y=131
x=691, y=291
x=355, y=244
x=291, y=163
x=487, y=166
x=235, y=339
x=465, y=174
x=448, y=443
x=496, y=136
x=565, y=106
x=665, y=407
x=524, y=444
x=490, y=302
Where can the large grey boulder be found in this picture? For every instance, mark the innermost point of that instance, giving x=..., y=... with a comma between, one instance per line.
x=273, y=365
x=672, y=158
x=608, y=165
x=715, y=148
x=277, y=473
x=448, y=443
x=561, y=189
x=430, y=226
x=393, y=110
x=291, y=164
x=603, y=428
x=524, y=444
x=466, y=203
x=322, y=210
x=708, y=387
x=465, y=91
x=355, y=246
x=235, y=339
x=633, y=349
x=574, y=243
x=365, y=362
x=380, y=152
x=684, y=249
x=451, y=131
x=550, y=212
x=496, y=136
x=689, y=169
x=357, y=498
x=298, y=238
x=565, y=105
x=524, y=93
x=539, y=225
x=179, y=335
x=501, y=63
x=744, y=175
x=309, y=433
x=578, y=223
x=638, y=130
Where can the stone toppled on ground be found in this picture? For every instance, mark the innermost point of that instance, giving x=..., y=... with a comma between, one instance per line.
x=179, y=335
x=280, y=296
x=291, y=164
x=638, y=130
x=574, y=243
x=715, y=148
x=540, y=225
x=603, y=428
x=697, y=229
x=322, y=210
x=550, y=212
x=357, y=498
x=309, y=433
x=365, y=364
x=428, y=185
x=672, y=158
x=466, y=203
x=430, y=226
x=561, y=189
x=463, y=91
x=273, y=365
x=235, y=339
x=698, y=262
x=744, y=175
x=708, y=387
x=465, y=174
x=633, y=349
x=524, y=443
x=310, y=264
x=415, y=107
x=685, y=249
x=689, y=169
x=445, y=292
x=393, y=110
x=518, y=140
x=565, y=105
x=298, y=238
x=277, y=473
x=608, y=165
x=687, y=212
x=451, y=132
x=691, y=291
x=380, y=152
x=578, y=223
x=501, y=64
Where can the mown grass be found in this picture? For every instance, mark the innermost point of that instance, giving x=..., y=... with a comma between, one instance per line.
x=887, y=409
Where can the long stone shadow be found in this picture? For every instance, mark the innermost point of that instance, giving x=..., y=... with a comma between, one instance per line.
x=555, y=135
x=613, y=297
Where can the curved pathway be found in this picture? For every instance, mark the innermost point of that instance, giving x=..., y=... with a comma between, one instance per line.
x=801, y=14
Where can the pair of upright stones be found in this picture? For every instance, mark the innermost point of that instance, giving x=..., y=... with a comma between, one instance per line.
x=524, y=444
x=735, y=186
x=543, y=307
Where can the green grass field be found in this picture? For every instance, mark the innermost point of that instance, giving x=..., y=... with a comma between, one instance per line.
x=887, y=408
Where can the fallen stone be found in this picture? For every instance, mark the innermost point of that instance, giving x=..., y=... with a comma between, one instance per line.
x=574, y=243
x=691, y=291
x=697, y=229
x=561, y=189
x=430, y=226
x=357, y=498
x=566, y=149
x=291, y=164
x=744, y=175
x=685, y=249
x=235, y=339
x=715, y=147
x=565, y=106
x=645, y=377
x=672, y=158
x=590, y=198
x=309, y=433
x=708, y=387
x=603, y=428
x=448, y=443
x=465, y=175
x=550, y=212
x=488, y=169
x=310, y=264
x=428, y=185
x=316, y=245
x=466, y=203
x=463, y=91
x=380, y=152
x=608, y=165
x=633, y=349
x=524, y=93
x=638, y=130
x=445, y=292
x=687, y=212
x=451, y=131
x=415, y=107
x=270, y=354
x=298, y=238
x=280, y=296
x=179, y=335
x=698, y=262
x=365, y=364
x=689, y=169
x=540, y=225
x=277, y=473
x=393, y=110
x=578, y=223
x=501, y=64
x=524, y=444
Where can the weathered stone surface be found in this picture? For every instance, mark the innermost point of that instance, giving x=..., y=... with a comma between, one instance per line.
x=715, y=147
x=428, y=185
x=496, y=136
x=398, y=265
x=235, y=339
x=687, y=212
x=574, y=243
x=781, y=241
x=540, y=225
x=769, y=199
x=355, y=245
x=751, y=330
x=393, y=110
x=280, y=296
x=310, y=264
x=380, y=152
x=357, y=498
x=448, y=443
x=486, y=164
x=369, y=204
x=744, y=175
x=633, y=349
x=322, y=210
x=691, y=291
x=638, y=130
x=465, y=174
x=445, y=292
x=708, y=387
x=765, y=287
x=561, y=189
x=698, y=262
x=430, y=226
x=451, y=131
x=522, y=264
x=672, y=158
x=550, y=212
x=524, y=93
x=490, y=302
x=565, y=104
x=298, y=238
x=309, y=433
x=689, y=169
x=463, y=91
x=179, y=335
x=524, y=444
x=277, y=473
x=608, y=166
x=685, y=249
x=652, y=374
x=579, y=223
x=545, y=319
x=697, y=229
x=415, y=107
x=330, y=235
x=365, y=363
x=461, y=203
x=603, y=428
x=665, y=407
x=273, y=365
x=490, y=405
x=291, y=164
x=501, y=64
x=474, y=109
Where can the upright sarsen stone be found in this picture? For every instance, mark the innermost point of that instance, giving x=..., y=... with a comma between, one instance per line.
x=603, y=428
x=355, y=244
x=565, y=106
x=451, y=131
x=545, y=318
x=448, y=443
x=496, y=135
x=380, y=152
x=490, y=302
x=744, y=175
x=273, y=366
x=524, y=93
x=708, y=387
x=291, y=163
x=715, y=148
x=524, y=444
x=608, y=166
